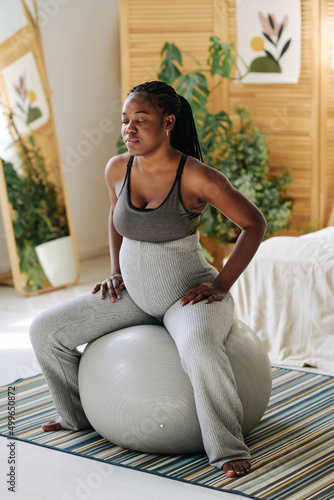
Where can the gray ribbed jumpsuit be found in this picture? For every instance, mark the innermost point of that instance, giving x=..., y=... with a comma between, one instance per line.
x=160, y=258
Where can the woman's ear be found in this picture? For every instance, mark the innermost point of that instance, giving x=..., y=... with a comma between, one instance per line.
x=169, y=122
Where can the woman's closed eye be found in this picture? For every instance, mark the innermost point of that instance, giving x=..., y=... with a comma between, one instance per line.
x=137, y=121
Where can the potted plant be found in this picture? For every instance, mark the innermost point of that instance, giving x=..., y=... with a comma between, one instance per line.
x=38, y=218
x=244, y=160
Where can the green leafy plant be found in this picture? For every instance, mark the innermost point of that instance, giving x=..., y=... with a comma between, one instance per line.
x=244, y=159
x=239, y=150
x=310, y=227
x=37, y=216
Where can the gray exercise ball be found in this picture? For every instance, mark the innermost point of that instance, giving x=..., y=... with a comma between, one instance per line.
x=136, y=394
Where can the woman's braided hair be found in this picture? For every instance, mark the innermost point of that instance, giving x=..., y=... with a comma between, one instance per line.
x=183, y=135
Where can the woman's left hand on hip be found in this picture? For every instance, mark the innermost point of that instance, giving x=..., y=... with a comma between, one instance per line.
x=208, y=292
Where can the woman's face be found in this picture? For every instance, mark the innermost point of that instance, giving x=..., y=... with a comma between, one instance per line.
x=143, y=125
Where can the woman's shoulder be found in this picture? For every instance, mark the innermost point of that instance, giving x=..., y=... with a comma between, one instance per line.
x=116, y=168
x=198, y=172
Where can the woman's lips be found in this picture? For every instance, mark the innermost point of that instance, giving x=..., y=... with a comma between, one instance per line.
x=131, y=140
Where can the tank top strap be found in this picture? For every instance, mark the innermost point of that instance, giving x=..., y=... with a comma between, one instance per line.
x=129, y=165
x=181, y=165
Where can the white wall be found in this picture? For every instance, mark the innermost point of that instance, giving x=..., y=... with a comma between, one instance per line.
x=81, y=44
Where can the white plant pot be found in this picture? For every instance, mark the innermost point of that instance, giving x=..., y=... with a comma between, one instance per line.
x=58, y=261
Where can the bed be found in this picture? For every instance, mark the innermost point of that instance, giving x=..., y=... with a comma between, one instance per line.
x=287, y=296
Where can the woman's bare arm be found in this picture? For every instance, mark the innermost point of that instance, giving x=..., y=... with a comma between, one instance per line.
x=114, y=284
x=214, y=188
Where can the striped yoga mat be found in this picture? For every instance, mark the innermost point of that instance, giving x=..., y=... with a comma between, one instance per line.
x=292, y=447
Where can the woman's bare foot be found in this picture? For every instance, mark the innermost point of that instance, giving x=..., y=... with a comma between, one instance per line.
x=53, y=425
x=237, y=468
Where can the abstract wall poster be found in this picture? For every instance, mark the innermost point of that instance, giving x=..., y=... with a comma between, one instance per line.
x=26, y=94
x=269, y=40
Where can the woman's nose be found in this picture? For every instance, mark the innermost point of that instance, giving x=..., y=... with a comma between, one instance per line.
x=131, y=127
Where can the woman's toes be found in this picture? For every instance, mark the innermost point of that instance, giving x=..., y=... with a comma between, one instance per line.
x=53, y=425
x=229, y=471
x=236, y=468
x=247, y=466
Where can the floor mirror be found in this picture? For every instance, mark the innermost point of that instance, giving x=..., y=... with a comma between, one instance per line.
x=34, y=204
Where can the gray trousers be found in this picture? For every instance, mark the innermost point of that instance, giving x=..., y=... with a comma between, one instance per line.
x=156, y=276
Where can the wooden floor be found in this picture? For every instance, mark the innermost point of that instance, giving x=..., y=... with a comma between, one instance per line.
x=45, y=474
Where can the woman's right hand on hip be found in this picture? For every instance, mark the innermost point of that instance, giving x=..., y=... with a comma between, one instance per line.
x=112, y=285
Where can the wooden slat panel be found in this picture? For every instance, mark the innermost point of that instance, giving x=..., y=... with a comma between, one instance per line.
x=146, y=26
x=288, y=114
x=327, y=174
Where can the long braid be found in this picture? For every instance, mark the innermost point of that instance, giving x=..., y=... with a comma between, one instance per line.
x=184, y=134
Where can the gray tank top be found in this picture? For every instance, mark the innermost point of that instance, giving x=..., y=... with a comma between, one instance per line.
x=169, y=221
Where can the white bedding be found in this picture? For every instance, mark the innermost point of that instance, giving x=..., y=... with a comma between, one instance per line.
x=287, y=296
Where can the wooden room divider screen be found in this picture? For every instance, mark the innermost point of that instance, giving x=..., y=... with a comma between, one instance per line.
x=298, y=118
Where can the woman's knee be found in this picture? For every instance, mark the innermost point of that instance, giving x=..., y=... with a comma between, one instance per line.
x=56, y=325
x=42, y=330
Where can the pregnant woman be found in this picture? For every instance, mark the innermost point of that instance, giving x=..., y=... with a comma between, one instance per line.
x=158, y=190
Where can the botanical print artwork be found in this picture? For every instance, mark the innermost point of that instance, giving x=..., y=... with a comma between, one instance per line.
x=26, y=94
x=25, y=100
x=272, y=31
x=269, y=40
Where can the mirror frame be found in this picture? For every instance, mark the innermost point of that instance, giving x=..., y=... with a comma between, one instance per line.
x=24, y=42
